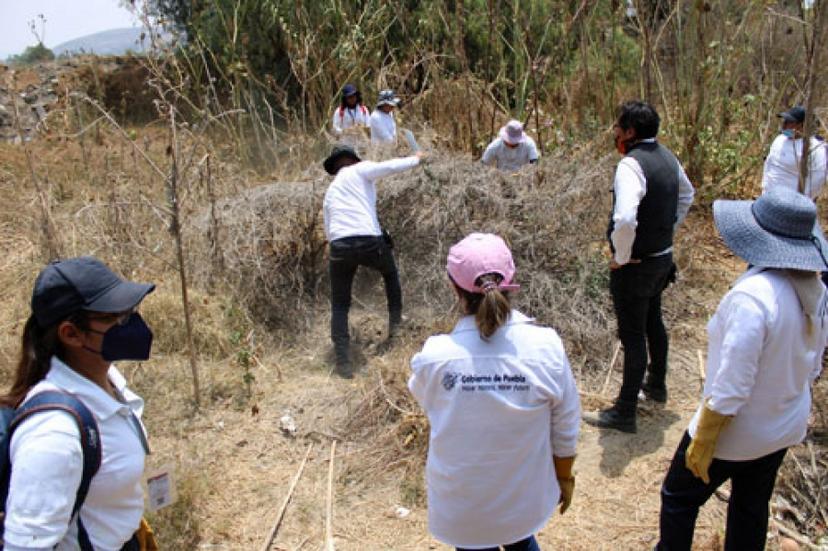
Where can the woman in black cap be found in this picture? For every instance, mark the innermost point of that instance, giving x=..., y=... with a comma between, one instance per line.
x=351, y=113
x=71, y=488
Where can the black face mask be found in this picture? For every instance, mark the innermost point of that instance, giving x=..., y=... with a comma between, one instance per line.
x=130, y=341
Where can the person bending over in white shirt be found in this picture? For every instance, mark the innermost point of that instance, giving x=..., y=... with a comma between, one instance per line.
x=512, y=149
x=785, y=155
x=356, y=239
x=383, y=125
x=765, y=347
x=83, y=318
x=503, y=408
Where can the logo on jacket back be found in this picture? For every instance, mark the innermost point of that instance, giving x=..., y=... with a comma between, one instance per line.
x=449, y=380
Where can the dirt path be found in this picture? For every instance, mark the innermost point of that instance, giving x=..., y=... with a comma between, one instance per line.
x=237, y=464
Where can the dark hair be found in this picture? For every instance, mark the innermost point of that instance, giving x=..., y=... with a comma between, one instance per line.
x=490, y=308
x=640, y=116
x=344, y=105
x=37, y=347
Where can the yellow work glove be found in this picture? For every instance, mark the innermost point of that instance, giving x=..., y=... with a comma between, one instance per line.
x=146, y=537
x=699, y=453
x=563, y=472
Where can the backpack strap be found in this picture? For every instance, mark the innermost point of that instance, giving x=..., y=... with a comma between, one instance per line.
x=90, y=439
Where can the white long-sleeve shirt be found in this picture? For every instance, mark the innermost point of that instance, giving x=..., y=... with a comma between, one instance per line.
x=47, y=462
x=761, y=363
x=344, y=118
x=499, y=410
x=782, y=165
x=510, y=159
x=383, y=127
x=630, y=187
x=350, y=205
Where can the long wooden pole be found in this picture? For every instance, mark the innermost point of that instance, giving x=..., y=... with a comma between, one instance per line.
x=283, y=508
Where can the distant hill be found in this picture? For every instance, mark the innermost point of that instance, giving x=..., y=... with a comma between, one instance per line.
x=112, y=42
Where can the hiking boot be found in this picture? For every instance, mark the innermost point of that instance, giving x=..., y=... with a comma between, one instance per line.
x=611, y=418
x=656, y=393
x=344, y=370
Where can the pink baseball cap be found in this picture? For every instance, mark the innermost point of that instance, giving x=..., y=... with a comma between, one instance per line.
x=479, y=254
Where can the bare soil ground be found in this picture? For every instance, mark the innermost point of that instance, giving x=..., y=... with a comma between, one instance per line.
x=239, y=464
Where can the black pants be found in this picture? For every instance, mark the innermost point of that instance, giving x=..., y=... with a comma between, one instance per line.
x=747, y=513
x=346, y=255
x=636, y=296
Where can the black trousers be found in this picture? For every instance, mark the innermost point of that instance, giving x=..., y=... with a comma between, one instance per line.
x=346, y=255
x=636, y=297
x=682, y=494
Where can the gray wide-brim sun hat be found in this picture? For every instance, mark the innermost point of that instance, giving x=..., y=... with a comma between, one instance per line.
x=777, y=230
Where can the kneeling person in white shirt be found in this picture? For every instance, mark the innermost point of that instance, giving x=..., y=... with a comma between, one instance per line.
x=512, y=149
x=503, y=408
x=83, y=318
x=766, y=342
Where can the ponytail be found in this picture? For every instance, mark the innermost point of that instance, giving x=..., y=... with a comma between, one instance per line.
x=37, y=346
x=490, y=308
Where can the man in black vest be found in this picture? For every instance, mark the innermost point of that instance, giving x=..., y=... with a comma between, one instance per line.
x=651, y=198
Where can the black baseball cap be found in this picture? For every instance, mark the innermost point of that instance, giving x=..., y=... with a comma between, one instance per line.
x=337, y=153
x=794, y=114
x=65, y=287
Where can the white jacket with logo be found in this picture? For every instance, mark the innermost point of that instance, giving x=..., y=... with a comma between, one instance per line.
x=344, y=118
x=499, y=410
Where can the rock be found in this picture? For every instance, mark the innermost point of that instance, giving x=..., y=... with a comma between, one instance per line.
x=402, y=512
x=287, y=425
x=787, y=544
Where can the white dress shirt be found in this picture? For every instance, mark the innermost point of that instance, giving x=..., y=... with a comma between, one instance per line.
x=761, y=363
x=383, y=127
x=344, y=118
x=782, y=165
x=350, y=205
x=510, y=159
x=498, y=410
x=630, y=187
x=47, y=462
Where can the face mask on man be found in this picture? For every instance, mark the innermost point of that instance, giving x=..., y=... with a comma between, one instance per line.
x=130, y=341
x=789, y=133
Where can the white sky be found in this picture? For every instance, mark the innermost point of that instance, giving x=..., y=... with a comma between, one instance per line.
x=65, y=20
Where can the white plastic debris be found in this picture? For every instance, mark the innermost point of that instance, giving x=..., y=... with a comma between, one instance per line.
x=402, y=512
x=288, y=425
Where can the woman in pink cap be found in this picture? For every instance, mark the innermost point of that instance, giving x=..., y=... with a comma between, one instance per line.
x=503, y=408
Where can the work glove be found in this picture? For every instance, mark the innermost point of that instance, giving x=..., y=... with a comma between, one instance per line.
x=566, y=481
x=699, y=453
x=146, y=537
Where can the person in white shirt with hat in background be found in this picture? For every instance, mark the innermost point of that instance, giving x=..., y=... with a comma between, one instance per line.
x=503, y=408
x=785, y=156
x=383, y=125
x=83, y=318
x=765, y=346
x=356, y=239
x=512, y=149
x=351, y=113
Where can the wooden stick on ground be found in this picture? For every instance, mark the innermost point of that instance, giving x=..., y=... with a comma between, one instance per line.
x=611, y=364
x=701, y=367
x=283, y=508
x=329, y=541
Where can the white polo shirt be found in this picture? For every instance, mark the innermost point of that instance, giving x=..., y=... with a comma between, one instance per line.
x=499, y=410
x=510, y=159
x=47, y=462
x=761, y=363
x=383, y=127
x=782, y=165
x=350, y=205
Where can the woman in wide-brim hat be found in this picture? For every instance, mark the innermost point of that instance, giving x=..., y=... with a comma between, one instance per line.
x=765, y=346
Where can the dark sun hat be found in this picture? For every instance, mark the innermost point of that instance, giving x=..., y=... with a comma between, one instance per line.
x=777, y=230
x=65, y=287
x=337, y=153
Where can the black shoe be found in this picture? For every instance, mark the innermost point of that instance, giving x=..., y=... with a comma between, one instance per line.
x=656, y=393
x=611, y=418
x=344, y=370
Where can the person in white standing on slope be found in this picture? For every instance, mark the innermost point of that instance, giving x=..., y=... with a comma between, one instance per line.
x=383, y=125
x=785, y=155
x=351, y=113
